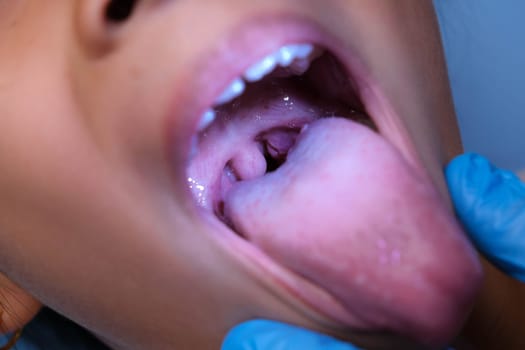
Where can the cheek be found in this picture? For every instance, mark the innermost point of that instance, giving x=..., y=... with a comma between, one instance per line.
x=411, y=77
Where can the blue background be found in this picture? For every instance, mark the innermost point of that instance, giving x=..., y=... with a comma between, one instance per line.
x=485, y=45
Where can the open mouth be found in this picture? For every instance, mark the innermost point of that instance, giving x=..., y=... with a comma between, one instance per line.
x=256, y=122
x=289, y=160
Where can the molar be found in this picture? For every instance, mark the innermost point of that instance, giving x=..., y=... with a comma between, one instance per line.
x=235, y=89
x=207, y=118
x=260, y=69
x=292, y=52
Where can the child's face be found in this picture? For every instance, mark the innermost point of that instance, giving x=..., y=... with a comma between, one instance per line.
x=98, y=117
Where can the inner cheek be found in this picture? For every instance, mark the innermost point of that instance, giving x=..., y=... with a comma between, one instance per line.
x=409, y=68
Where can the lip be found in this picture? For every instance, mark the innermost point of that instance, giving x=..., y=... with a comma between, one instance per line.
x=247, y=43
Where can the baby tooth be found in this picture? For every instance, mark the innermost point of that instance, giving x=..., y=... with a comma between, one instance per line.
x=234, y=90
x=260, y=69
x=207, y=118
x=299, y=67
x=303, y=51
x=286, y=55
x=289, y=54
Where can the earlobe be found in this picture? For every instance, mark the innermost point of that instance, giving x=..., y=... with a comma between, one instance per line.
x=17, y=307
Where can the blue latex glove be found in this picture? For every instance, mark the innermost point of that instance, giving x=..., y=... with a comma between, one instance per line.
x=269, y=335
x=491, y=205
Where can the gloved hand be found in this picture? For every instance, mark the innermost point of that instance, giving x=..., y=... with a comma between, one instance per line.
x=491, y=204
x=270, y=335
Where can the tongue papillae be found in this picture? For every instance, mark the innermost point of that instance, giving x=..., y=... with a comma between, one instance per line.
x=344, y=210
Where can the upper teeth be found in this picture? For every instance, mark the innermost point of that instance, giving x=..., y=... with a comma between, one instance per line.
x=235, y=89
x=286, y=56
x=207, y=118
x=295, y=57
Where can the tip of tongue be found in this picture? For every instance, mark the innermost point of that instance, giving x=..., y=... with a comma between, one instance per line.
x=348, y=213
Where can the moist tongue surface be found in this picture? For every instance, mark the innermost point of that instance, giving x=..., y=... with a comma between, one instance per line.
x=345, y=211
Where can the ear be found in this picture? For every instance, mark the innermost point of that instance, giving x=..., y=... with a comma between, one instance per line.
x=17, y=307
x=521, y=174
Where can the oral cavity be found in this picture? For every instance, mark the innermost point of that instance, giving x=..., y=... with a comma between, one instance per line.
x=288, y=159
x=275, y=97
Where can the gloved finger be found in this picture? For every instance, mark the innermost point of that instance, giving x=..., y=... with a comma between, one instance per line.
x=490, y=203
x=270, y=335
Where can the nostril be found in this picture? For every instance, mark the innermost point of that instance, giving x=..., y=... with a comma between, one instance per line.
x=118, y=11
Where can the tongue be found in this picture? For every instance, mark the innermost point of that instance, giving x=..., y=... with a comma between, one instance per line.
x=348, y=213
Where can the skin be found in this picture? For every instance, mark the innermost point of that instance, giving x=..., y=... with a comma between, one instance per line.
x=97, y=221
